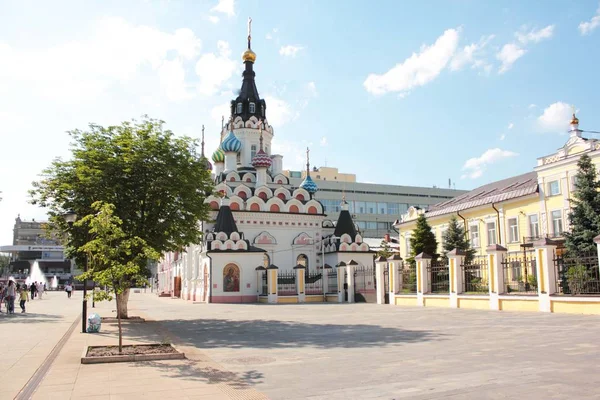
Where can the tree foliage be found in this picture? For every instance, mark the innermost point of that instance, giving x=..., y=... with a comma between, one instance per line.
x=585, y=209
x=114, y=258
x=422, y=239
x=455, y=238
x=157, y=183
x=385, y=250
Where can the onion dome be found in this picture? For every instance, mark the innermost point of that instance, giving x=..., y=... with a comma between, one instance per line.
x=218, y=156
x=574, y=120
x=207, y=165
x=231, y=144
x=261, y=159
x=249, y=55
x=309, y=185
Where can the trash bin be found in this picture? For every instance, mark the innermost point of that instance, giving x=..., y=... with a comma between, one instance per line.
x=94, y=322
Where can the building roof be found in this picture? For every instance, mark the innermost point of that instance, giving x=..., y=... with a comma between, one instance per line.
x=506, y=189
x=345, y=225
x=225, y=222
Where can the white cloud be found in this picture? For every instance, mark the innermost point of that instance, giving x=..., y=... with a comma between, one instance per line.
x=214, y=19
x=417, y=70
x=324, y=142
x=215, y=69
x=312, y=88
x=294, y=153
x=279, y=112
x=172, y=79
x=218, y=112
x=290, y=50
x=534, y=36
x=508, y=55
x=555, y=117
x=226, y=7
x=585, y=28
x=511, y=125
x=82, y=69
x=272, y=34
x=502, y=137
x=531, y=106
x=472, y=55
x=475, y=166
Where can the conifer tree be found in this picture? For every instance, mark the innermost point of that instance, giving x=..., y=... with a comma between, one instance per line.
x=422, y=239
x=454, y=238
x=385, y=250
x=585, y=209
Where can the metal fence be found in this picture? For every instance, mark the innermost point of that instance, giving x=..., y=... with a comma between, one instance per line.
x=408, y=278
x=475, y=275
x=264, y=285
x=520, y=273
x=332, y=283
x=314, y=283
x=439, y=277
x=286, y=283
x=577, y=275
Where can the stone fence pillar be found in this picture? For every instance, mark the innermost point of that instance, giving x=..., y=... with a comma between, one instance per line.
x=395, y=278
x=300, y=283
x=325, y=277
x=422, y=261
x=341, y=280
x=272, y=283
x=380, y=263
x=496, y=255
x=546, y=273
x=455, y=261
x=259, y=279
x=350, y=271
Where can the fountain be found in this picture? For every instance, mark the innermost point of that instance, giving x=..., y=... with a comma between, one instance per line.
x=36, y=275
x=54, y=283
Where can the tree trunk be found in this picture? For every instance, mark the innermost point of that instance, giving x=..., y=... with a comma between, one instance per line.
x=120, y=330
x=122, y=300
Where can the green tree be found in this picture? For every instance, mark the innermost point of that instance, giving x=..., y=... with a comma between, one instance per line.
x=385, y=250
x=157, y=183
x=114, y=258
x=585, y=209
x=455, y=238
x=422, y=239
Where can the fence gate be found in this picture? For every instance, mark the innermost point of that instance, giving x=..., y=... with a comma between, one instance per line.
x=364, y=284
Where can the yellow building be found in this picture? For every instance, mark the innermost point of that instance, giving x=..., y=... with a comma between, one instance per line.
x=516, y=211
x=323, y=174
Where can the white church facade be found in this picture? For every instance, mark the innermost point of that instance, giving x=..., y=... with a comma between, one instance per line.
x=259, y=220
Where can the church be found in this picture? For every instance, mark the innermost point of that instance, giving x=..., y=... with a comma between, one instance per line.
x=258, y=220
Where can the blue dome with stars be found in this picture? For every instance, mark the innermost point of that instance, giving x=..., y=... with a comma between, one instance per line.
x=231, y=144
x=309, y=185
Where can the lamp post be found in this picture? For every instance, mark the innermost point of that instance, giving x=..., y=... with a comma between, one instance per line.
x=71, y=217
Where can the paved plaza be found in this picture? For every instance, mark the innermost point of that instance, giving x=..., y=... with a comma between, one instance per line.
x=316, y=351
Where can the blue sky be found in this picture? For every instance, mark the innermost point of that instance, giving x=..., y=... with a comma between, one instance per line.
x=398, y=92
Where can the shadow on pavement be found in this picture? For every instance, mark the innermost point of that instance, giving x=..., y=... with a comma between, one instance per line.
x=29, y=317
x=273, y=334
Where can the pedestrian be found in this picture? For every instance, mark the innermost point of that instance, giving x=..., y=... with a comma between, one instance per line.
x=40, y=289
x=10, y=297
x=68, y=289
x=23, y=297
x=1, y=296
x=32, y=288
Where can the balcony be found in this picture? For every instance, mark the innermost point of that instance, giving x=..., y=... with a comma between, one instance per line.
x=529, y=240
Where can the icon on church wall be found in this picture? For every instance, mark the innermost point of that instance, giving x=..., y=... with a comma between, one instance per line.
x=231, y=278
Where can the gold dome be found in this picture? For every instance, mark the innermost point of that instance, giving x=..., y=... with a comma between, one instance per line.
x=574, y=120
x=249, y=55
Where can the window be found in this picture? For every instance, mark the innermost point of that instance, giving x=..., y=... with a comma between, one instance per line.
x=381, y=208
x=557, y=223
x=513, y=230
x=407, y=245
x=383, y=226
x=371, y=225
x=393, y=209
x=371, y=207
x=351, y=207
x=262, y=110
x=491, y=232
x=239, y=108
x=360, y=207
x=252, y=151
x=362, y=225
x=402, y=208
x=553, y=188
x=534, y=226
x=295, y=174
x=474, y=229
x=573, y=183
x=443, y=237
x=252, y=108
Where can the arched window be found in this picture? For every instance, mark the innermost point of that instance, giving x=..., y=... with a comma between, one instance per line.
x=252, y=108
x=239, y=108
x=262, y=110
x=252, y=152
x=266, y=260
x=302, y=259
x=231, y=278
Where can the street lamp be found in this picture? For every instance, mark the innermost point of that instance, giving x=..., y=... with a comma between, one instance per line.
x=70, y=218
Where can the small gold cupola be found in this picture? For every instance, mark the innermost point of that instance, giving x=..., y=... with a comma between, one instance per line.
x=249, y=55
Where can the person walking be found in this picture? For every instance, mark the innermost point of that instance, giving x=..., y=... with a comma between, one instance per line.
x=23, y=297
x=32, y=288
x=10, y=297
x=68, y=289
x=1, y=296
x=40, y=289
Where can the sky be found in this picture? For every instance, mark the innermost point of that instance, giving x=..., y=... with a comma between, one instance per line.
x=397, y=92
